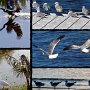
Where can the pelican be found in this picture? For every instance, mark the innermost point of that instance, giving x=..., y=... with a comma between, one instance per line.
x=58, y=7
x=50, y=53
x=46, y=6
x=83, y=47
x=85, y=11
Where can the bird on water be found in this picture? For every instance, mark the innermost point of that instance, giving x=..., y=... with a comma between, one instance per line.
x=53, y=44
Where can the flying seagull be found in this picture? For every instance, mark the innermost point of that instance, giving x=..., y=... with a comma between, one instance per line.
x=50, y=53
x=85, y=11
x=58, y=7
x=83, y=47
x=46, y=6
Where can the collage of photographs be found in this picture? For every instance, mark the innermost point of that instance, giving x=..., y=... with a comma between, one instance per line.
x=15, y=60
x=60, y=45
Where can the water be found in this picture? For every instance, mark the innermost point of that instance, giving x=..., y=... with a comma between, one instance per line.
x=69, y=58
x=74, y=5
x=7, y=73
x=19, y=37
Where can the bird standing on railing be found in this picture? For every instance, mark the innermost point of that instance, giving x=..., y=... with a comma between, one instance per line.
x=58, y=7
x=54, y=84
x=69, y=84
x=85, y=11
x=46, y=6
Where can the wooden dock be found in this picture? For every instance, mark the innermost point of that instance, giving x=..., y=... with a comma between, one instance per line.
x=54, y=21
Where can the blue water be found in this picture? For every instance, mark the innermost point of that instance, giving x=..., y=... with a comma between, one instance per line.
x=75, y=5
x=70, y=58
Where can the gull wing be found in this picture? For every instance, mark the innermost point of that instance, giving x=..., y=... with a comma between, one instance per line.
x=86, y=44
x=43, y=51
x=54, y=43
x=71, y=47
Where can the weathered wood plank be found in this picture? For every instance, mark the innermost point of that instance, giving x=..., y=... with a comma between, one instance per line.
x=44, y=21
x=79, y=23
x=67, y=23
x=54, y=23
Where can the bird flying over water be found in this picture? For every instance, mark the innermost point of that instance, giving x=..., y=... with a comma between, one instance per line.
x=51, y=48
x=83, y=47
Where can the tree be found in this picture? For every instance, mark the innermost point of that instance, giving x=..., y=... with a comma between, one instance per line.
x=21, y=67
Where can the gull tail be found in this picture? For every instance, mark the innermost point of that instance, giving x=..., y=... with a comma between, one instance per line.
x=71, y=47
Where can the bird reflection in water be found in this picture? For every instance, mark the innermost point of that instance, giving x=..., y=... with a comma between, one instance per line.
x=11, y=25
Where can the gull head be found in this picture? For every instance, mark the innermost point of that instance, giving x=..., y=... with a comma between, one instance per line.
x=45, y=3
x=53, y=56
x=56, y=3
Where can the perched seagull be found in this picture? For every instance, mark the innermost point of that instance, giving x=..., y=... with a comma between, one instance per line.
x=40, y=14
x=85, y=11
x=35, y=5
x=83, y=47
x=69, y=84
x=58, y=7
x=72, y=14
x=50, y=53
x=38, y=84
x=46, y=6
x=54, y=84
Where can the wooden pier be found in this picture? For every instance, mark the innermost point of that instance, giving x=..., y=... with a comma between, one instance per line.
x=54, y=21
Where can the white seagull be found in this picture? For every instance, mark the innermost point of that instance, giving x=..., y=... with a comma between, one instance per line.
x=72, y=14
x=83, y=47
x=46, y=6
x=35, y=5
x=50, y=53
x=85, y=11
x=40, y=14
x=58, y=7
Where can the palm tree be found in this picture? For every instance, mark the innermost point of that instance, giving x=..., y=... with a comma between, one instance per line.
x=21, y=67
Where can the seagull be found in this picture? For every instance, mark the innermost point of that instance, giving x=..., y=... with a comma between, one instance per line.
x=69, y=84
x=46, y=6
x=85, y=11
x=50, y=53
x=40, y=14
x=83, y=47
x=58, y=7
x=35, y=5
x=54, y=84
x=72, y=14
x=38, y=84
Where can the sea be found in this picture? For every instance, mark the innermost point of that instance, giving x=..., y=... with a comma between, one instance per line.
x=68, y=58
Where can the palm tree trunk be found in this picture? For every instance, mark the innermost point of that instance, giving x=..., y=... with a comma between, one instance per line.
x=28, y=84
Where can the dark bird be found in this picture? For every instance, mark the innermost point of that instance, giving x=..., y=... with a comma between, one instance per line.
x=54, y=84
x=11, y=12
x=69, y=84
x=38, y=84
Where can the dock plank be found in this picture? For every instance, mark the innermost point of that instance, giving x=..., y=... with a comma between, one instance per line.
x=67, y=23
x=79, y=23
x=54, y=23
x=87, y=25
x=44, y=21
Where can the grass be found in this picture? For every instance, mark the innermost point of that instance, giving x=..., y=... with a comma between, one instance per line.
x=22, y=87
